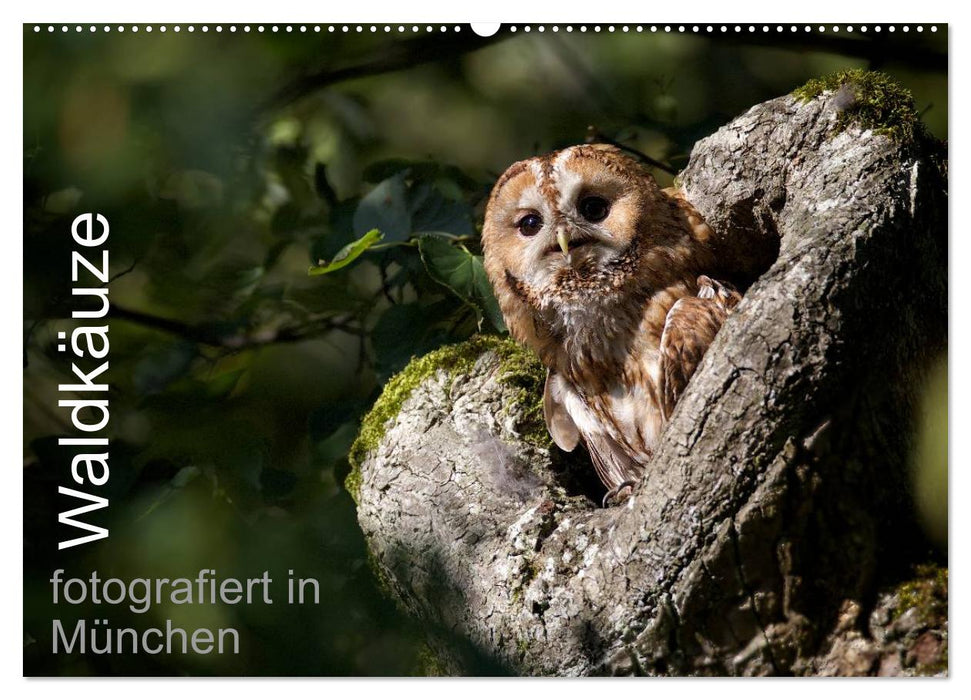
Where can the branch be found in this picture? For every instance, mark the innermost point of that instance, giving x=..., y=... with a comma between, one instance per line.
x=393, y=56
x=208, y=335
x=595, y=136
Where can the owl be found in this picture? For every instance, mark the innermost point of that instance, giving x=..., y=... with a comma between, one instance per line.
x=605, y=276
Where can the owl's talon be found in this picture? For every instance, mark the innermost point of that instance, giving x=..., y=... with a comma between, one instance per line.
x=620, y=493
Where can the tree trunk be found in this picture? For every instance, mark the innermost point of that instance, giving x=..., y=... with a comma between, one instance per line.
x=776, y=505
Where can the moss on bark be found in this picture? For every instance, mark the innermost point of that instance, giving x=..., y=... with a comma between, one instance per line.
x=870, y=99
x=519, y=368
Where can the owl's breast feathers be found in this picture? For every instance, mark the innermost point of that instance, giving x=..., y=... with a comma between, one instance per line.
x=619, y=409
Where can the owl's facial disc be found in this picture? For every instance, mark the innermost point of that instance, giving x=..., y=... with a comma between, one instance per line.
x=565, y=230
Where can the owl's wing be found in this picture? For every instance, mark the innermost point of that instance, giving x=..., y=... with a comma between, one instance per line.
x=689, y=329
x=561, y=426
x=613, y=463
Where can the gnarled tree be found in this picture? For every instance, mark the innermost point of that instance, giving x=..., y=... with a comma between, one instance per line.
x=777, y=498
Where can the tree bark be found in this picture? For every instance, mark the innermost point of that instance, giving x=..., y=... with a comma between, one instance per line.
x=776, y=504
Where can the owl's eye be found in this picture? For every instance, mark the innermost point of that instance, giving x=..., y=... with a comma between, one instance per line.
x=593, y=209
x=530, y=224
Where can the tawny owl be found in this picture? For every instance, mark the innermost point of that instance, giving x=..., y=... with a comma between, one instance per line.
x=604, y=276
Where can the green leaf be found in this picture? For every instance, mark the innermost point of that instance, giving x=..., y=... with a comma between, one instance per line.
x=455, y=267
x=385, y=208
x=349, y=253
x=433, y=211
x=383, y=169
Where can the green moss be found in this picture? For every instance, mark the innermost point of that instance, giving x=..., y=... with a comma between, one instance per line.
x=518, y=368
x=379, y=573
x=525, y=372
x=522, y=646
x=877, y=103
x=926, y=592
x=428, y=664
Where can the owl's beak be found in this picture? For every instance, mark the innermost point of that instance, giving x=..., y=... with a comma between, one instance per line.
x=564, y=240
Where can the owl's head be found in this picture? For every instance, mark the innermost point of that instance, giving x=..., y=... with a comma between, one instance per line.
x=571, y=233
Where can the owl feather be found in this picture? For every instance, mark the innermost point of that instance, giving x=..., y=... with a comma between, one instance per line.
x=606, y=277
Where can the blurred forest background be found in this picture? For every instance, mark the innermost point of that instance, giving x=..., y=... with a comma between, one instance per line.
x=228, y=163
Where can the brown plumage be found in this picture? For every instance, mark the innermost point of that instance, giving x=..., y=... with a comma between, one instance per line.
x=603, y=274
